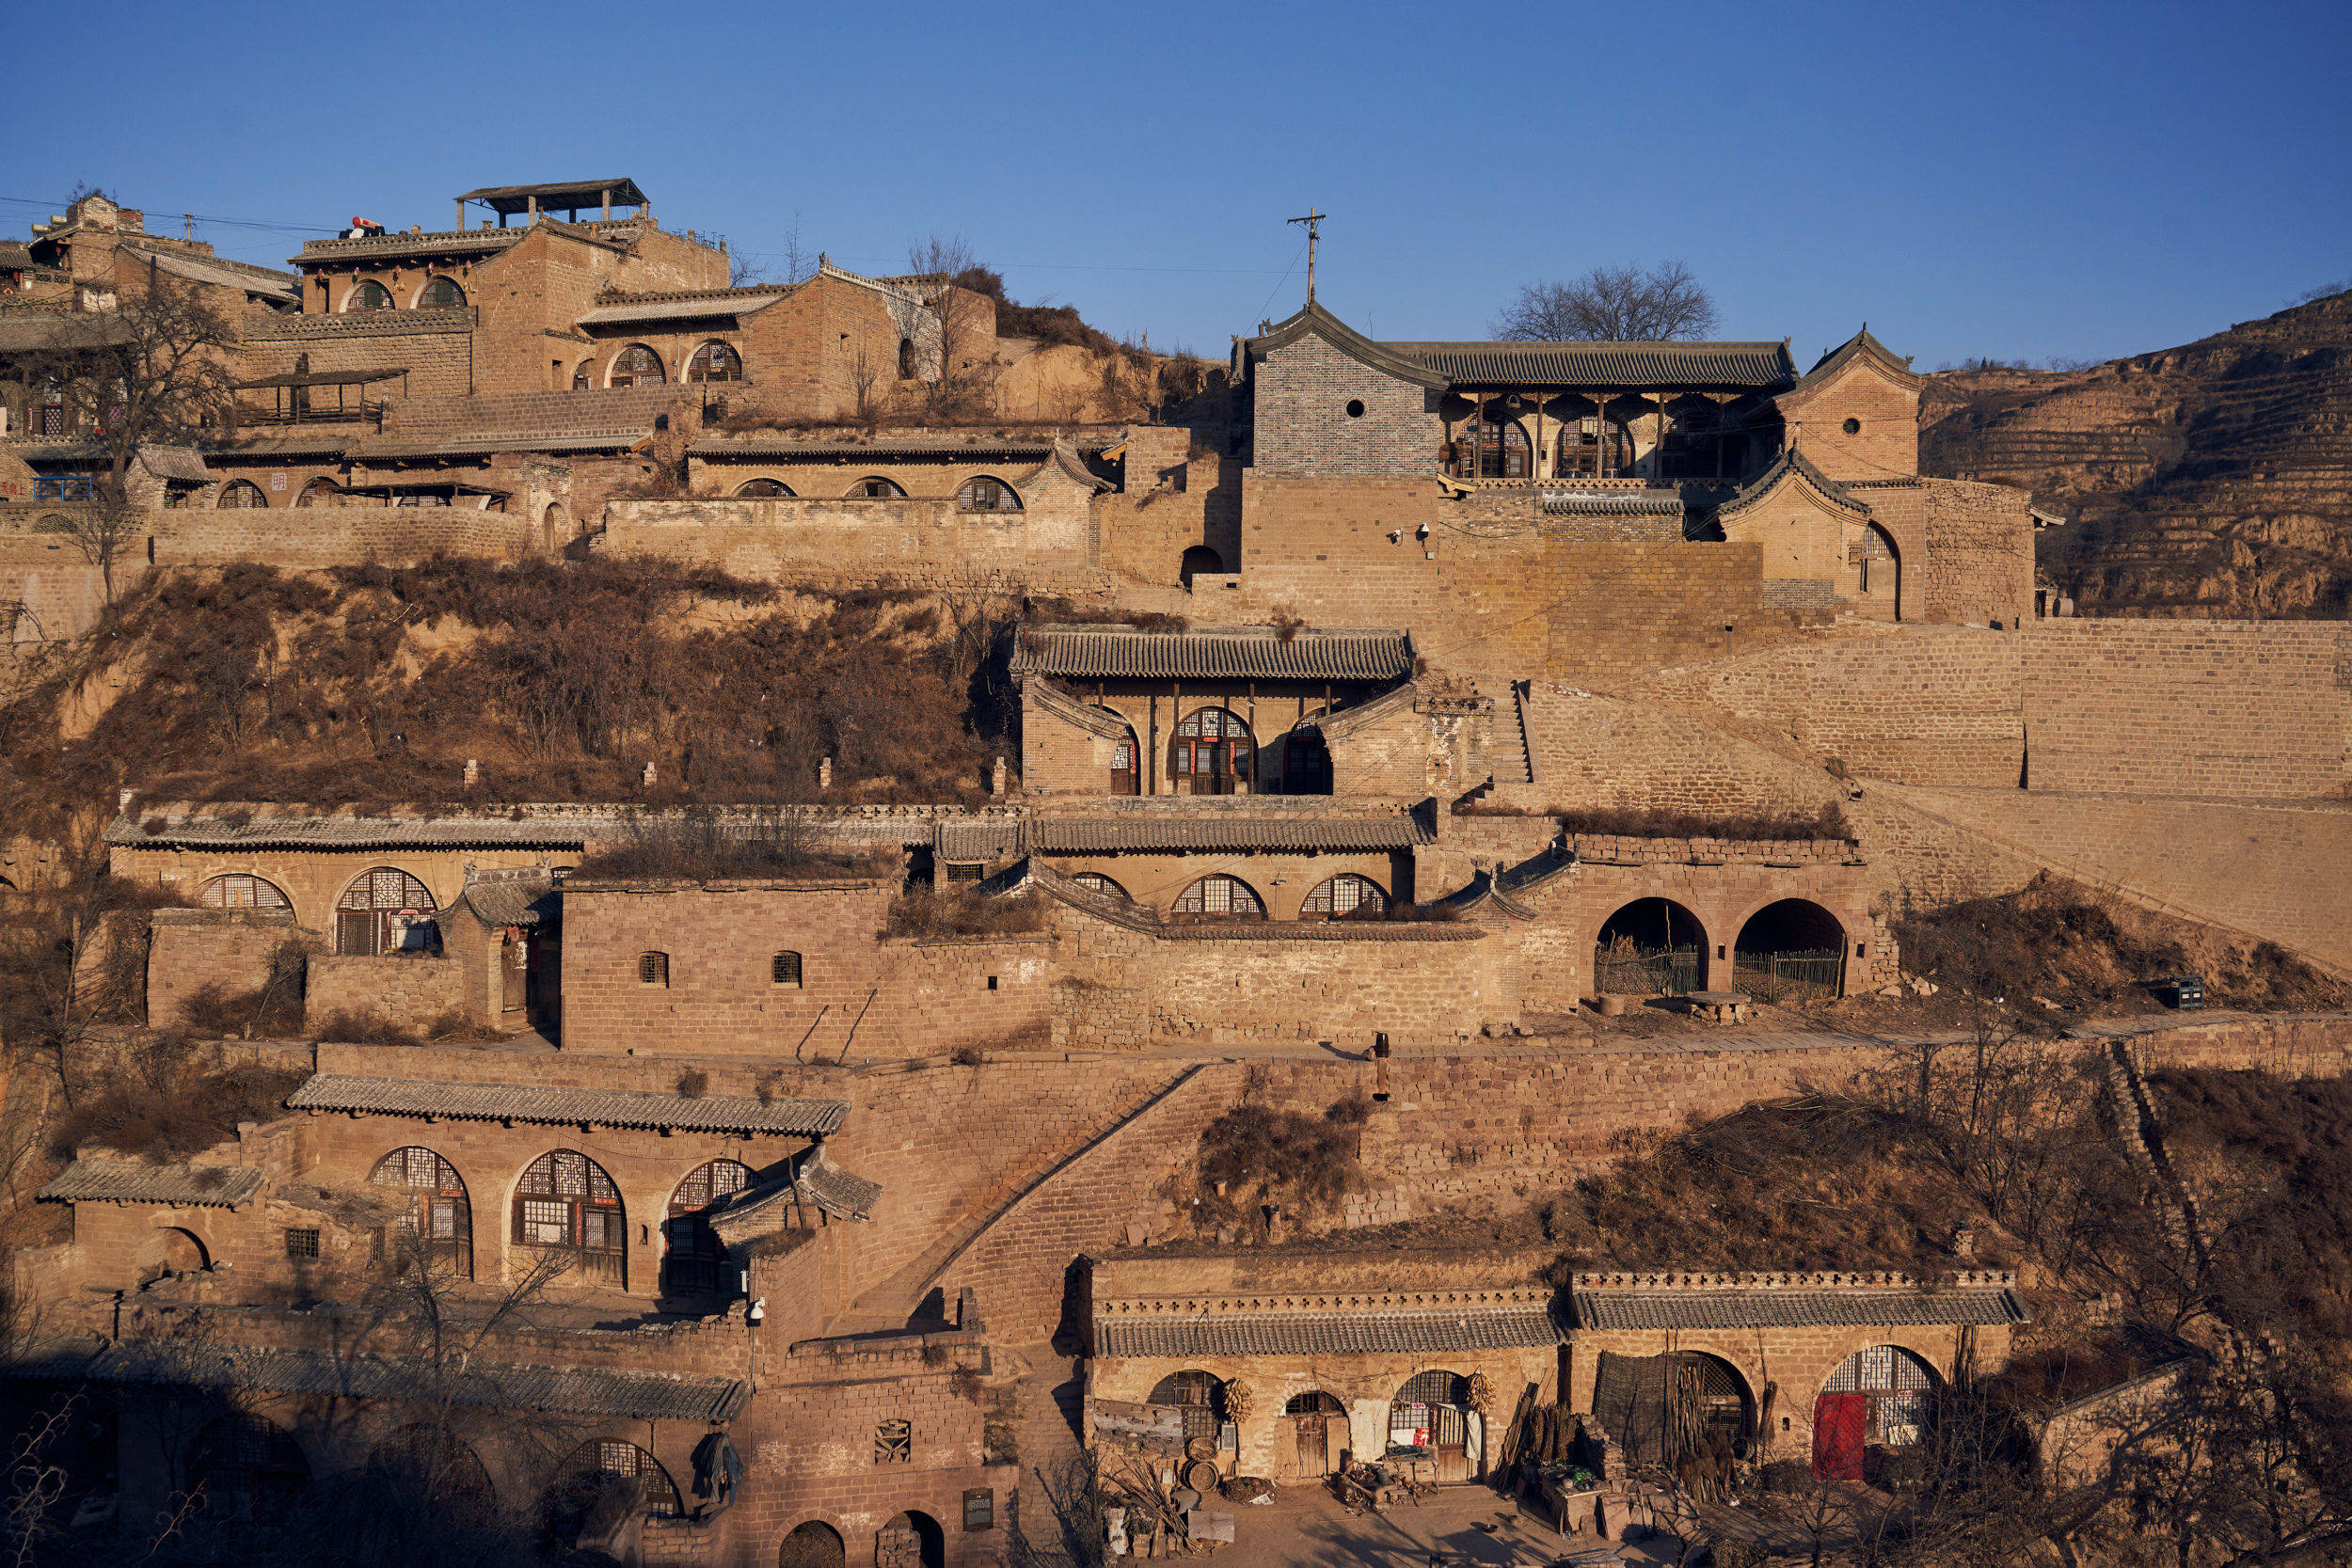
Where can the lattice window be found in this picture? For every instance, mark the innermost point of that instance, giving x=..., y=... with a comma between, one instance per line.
x=653, y=969
x=986, y=494
x=1096, y=882
x=240, y=890
x=894, y=1442
x=1346, y=893
x=302, y=1243
x=1220, y=895
x=441, y=294
x=763, y=489
x=384, y=911
x=565, y=1201
x=715, y=362
x=370, y=295
x=784, y=969
x=594, y=1468
x=241, y=494
x=636, y=365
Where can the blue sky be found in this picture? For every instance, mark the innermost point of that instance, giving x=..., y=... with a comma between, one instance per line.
x=2015, y=179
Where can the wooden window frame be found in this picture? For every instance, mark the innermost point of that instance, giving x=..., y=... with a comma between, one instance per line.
x=653, y=969
x=784, y=969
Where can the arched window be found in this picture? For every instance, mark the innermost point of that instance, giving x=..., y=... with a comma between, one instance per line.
x=246, y=1468
x=597, y=1470
x=1211, y=751
x=428, y=1466
x=986, y=494
x=1199, y=1395
x=763, y=489
x=435, y=1216
x=370, y=295
x=320, y=492
x=1651, y=947
x=242, y=890
x=386, y=910
x=1881, y=1397
x=693, y=1260
x=785, y=970
x=636, y=365
x=1489, y=447
x=715, y=362
x=874, y=487
x=1094, y=882
x=565, y=1206
x=906, y=359
x=1344, y=895
x=1198, y=559
x=440, y=293
x=1221, y=895
x=240, y=494
x=653, y=969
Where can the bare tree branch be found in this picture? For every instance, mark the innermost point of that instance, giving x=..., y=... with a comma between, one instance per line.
x=1625, y=304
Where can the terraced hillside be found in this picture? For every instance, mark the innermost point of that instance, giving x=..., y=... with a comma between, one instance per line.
x=2210, y=480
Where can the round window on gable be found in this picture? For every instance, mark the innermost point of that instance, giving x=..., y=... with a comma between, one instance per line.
x=1354, y=408
x=1853, y=427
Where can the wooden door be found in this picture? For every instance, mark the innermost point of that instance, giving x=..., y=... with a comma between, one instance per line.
x=357, y=934
x=515, y=969
x=1452, y=1441
x=1313, y=1452
x=1838, y=1420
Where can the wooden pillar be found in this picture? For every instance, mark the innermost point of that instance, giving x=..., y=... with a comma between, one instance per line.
x=1175, y=721
x=1254, y=746
x=1151, y=744
x=1535, y=459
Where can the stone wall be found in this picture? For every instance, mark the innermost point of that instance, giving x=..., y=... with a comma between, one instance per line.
x=1979, y=555
x=189, y=949
x=413, y=990
x=1303, y=393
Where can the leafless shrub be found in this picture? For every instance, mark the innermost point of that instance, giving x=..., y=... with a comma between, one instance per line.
x=961, y=913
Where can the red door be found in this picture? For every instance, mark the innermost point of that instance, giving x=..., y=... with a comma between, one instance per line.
x=1838, y=1420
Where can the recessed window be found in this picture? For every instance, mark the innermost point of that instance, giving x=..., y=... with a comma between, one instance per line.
x=784, y=969
x=653, y=969
x=986, y=494
x=302, y=1243
x=1354, y=408
x=875, y=489
x=370, y=295
x=992, y=982
x=894, y=1442
x=440, y=293
x=1853, y=427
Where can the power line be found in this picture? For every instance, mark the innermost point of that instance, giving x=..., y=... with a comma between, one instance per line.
x=1038, y=266
x=201, y=217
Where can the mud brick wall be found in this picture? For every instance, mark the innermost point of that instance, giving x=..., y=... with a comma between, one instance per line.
x=1979, y=555
x=2249, y=709
x=1124, y=990
x=189, y=949
x=314, y=880
x=412, y=989
x=1171, y=501
x=435, y=347
x=1888, y=412
x=1590, y=751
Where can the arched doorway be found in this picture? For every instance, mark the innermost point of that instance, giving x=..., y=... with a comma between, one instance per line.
x=911, y=1540
x=1667, y=1409
x=1318, y=1423
x=554, y=527
x=436, y=1217
x=1306, y=763
x=1878, y=573
x=1198, y=559
x=567, y=1207
x=693, y=1260
x=384, y=911
x=1489, y=447
x=1199, y=1395
x=1650, y=947
x=812, y=1543
x=170, y=1250
x=1432, y=1414
x=602, y=1482
x=1126, y=762
x=424, y=1467
x=246, y=1468
x=1791, y=951
x=1879, y=1398
x=1210, y=752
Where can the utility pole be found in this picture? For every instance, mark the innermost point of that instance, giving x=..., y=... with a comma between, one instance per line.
x=1313, y=220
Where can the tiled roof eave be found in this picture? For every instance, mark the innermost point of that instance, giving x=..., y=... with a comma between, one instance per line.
x=552, y=1106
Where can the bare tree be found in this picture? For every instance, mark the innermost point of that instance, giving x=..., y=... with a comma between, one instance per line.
x=1624, y=303
x=797, y=265
x=159, y=373
x=867, y=400
x=944, y=262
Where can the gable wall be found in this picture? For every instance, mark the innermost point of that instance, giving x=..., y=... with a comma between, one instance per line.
x=1300, y=392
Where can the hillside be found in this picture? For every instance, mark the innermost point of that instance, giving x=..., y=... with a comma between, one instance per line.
x=2209, y=479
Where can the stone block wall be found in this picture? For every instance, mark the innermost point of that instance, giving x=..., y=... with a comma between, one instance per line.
x=1980, y=554
x=435, y=347
x=413, y=989
x=189, y=949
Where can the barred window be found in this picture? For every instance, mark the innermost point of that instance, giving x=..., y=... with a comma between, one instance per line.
x=1221, y=895
x=894, y=1442
x=1346, y=893
x=440, y=293
x=241, y=890
x=784, y=969
x=302, y=1243
x=986, y=494
x=653, y=969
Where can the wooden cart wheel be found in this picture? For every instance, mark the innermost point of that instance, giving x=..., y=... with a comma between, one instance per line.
x=1201, y=1475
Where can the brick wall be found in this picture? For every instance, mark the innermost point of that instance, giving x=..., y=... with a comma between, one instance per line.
x=1979, y=553
x=189, y=949
x=436, y=349
x=413, y=990
x=1887, y=443
x=1301, y=393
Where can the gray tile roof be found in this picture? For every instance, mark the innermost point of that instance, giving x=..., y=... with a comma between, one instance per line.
x=565, y=194
x=1790, y=461
x=1322, y=930
x=254, y=824
x=459, y=1101
x=645, y=1395
x=1605, y=365
x=966, y=841
x=1861, y=344
x=1767, y=1308
x=679, y=307
x=512, y=898
x=222, y=273
x=443, y=241
x=1160, y=830
x=813, y=450
x=270, y=447
x=1611, y=503
x=96, y=1179
x=811, y=1177
x=374, y=449
x=1218, y=653
x=1336, y=1333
